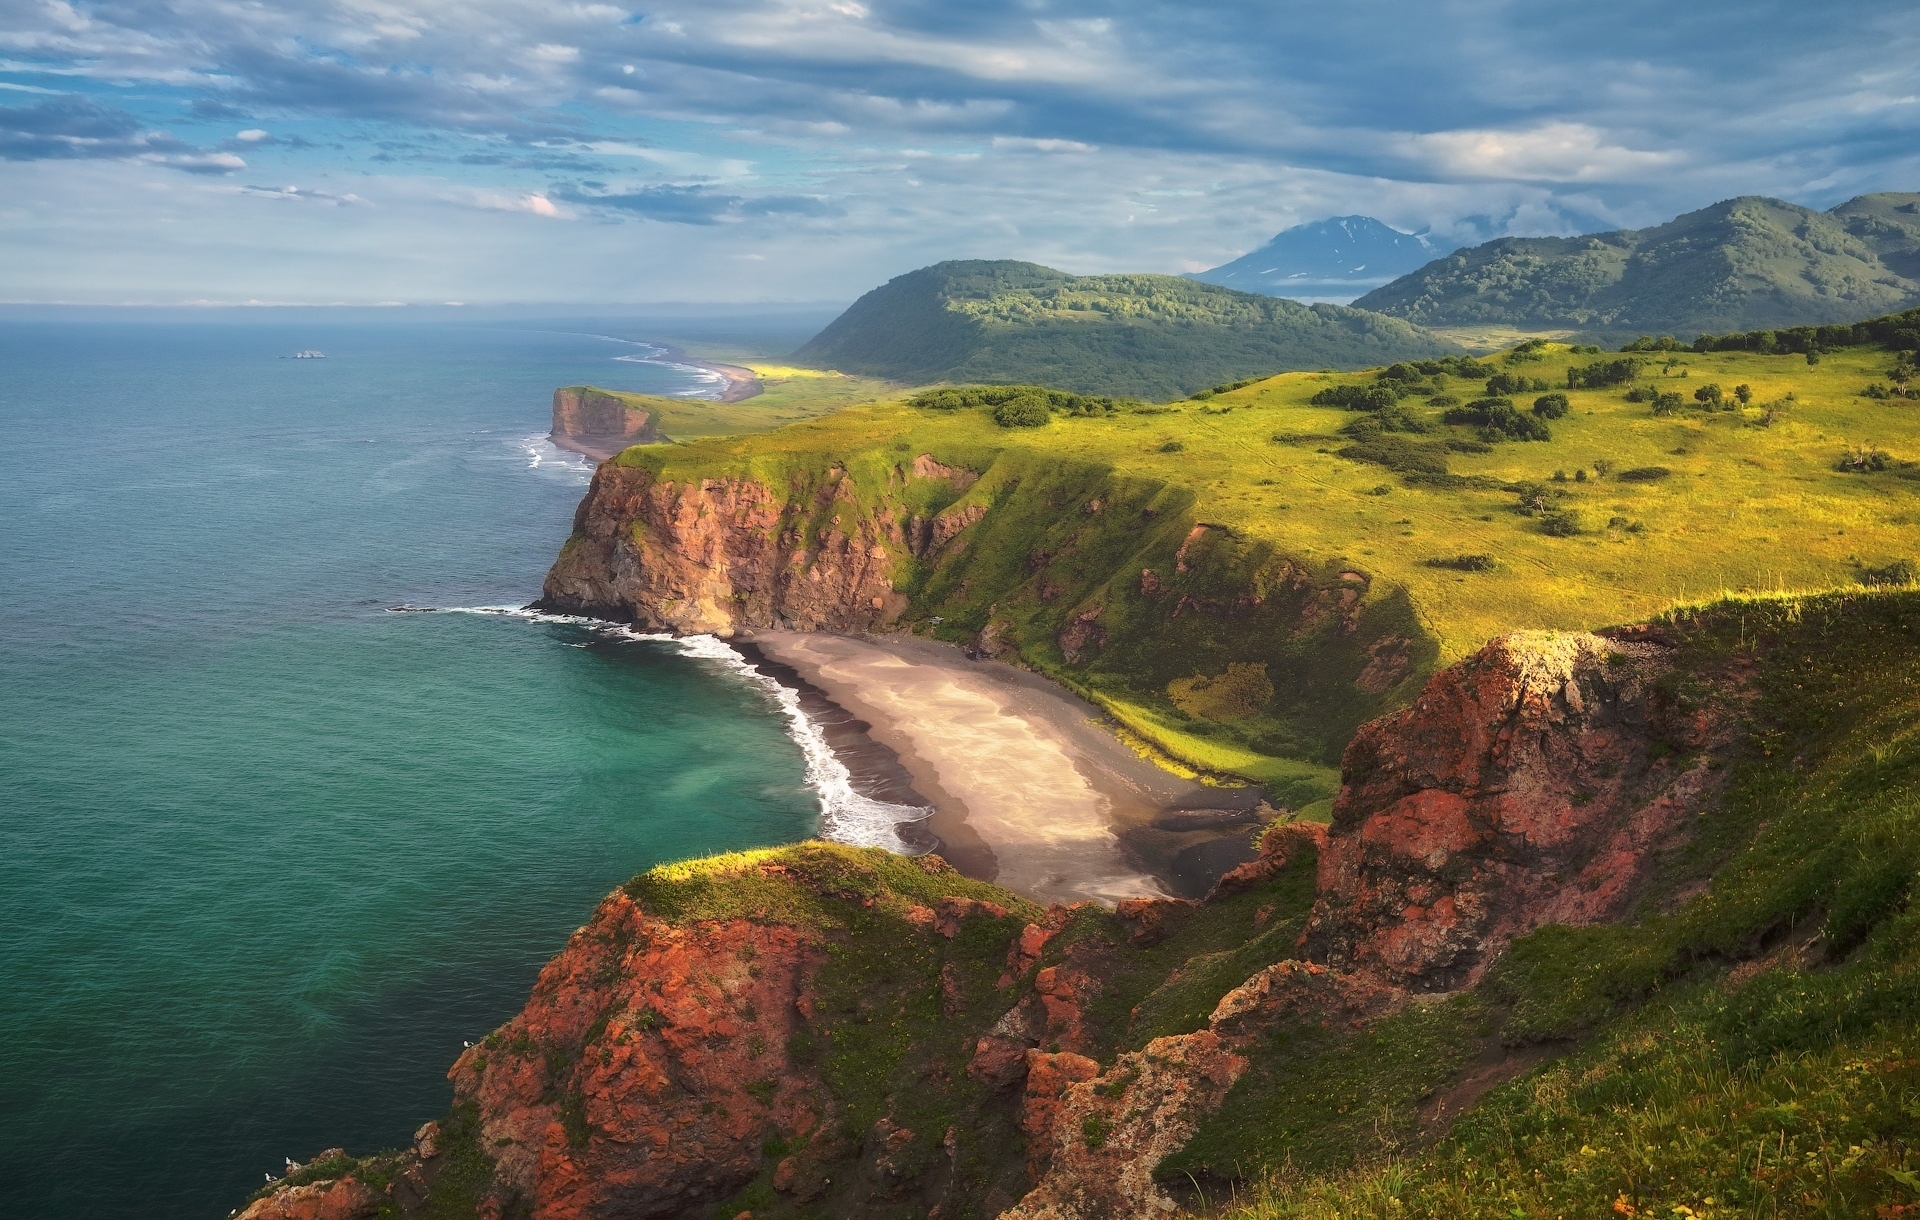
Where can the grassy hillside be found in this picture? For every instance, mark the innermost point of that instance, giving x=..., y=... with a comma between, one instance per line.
x=1143, y=336
x=1787, y=1085
x=1740, y=264
x=1347, y=551
x=790, y=395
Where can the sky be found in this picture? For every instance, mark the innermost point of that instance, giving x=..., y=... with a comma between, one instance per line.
x=489, y=151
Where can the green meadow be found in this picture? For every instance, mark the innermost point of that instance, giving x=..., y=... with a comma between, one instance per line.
x=1642, y=496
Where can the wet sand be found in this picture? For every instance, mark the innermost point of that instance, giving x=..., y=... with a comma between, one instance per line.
x=1028, y=789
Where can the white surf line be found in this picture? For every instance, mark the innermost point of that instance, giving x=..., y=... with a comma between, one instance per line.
x=846, y=816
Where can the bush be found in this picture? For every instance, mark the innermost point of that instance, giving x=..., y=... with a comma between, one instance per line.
x=1560, y=523
x=1025, y=412
x=1509, y=383
x=1172, y=447
x=1463, y=563
x=1551, y=406
x=1666, y=404
x=1356, y=397
x=1862, y=459
x=1647, y=343
x=1603, y=373
x=1899, y=572
x=1709, y=395
x=960, y=398
x=1644, y=474
x=1498, y=420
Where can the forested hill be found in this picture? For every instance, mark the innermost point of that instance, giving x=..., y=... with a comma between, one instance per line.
x=1146, y=336
x=1742, y=264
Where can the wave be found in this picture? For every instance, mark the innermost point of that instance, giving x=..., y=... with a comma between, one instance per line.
x=708, y=379
x=542, y=454
x=846, y=816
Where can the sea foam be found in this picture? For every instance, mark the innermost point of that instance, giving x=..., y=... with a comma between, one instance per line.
x=846, y=816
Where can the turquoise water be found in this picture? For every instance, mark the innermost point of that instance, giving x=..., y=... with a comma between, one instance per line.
x=269, y=852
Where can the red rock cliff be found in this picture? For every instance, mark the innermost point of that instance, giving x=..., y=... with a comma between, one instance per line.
x=599, y=424
x=717, y=555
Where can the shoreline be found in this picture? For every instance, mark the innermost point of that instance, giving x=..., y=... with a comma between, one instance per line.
x=1029, y=789
x=742, y=382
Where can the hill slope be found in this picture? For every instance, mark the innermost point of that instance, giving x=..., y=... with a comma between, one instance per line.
x=1144, y=336
x=1342, y=256
x=1742, y=264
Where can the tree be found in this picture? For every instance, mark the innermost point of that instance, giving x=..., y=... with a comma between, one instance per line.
x=1744, y=393
x=1709, y=394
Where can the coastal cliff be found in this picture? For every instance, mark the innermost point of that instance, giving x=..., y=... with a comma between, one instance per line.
x=599, y=423
x=1187, y=630
x=1517, y=859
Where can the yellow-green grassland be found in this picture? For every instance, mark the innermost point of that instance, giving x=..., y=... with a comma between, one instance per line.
x=1791, y=480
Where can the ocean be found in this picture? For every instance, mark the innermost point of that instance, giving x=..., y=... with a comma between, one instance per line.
x=270, y=849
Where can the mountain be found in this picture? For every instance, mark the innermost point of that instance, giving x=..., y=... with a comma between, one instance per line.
x=1743, y=264
x=1342, y=256
x=1145, y=336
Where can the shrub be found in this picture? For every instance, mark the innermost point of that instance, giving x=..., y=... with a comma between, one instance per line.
x=1551, y=406
x=1647, y=343
x=1356, y=397
x=1025, y=412
x=1602, y=467
x=1463, y=563
x=1172, y=447
x=1496, y=420
x=1644, y=474
x=1899, y=572
x=960, y=398
x=1862, y=459
x=1510, y=383
x=1666, y=404
x=1603, y=373
x=1709, y=395
x=1560, y=523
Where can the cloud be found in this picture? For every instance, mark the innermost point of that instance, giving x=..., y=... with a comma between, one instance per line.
x=1128, y=134
x=77, y=128
x=294, y=194
x=1554, y=152
x=694, y=205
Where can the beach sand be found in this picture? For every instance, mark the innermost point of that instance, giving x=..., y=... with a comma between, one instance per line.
x=1029, y=790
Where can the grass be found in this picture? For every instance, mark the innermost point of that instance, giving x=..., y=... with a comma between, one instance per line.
x=1753, y=502
x=792, y=396
x=1790, y=1089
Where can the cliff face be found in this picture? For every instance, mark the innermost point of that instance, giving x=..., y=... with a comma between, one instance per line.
x=1535, y=783
x=720, y=555
x=1064, y=566
x=599, y=424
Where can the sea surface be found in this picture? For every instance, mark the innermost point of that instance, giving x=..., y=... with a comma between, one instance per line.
x=270, y=849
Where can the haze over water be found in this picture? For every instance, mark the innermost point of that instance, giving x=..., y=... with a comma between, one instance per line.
x=269, y=852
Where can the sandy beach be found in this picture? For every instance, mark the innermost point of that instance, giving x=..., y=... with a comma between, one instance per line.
x=1028, y=789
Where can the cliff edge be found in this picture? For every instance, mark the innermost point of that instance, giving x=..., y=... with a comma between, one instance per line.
x=600, y=423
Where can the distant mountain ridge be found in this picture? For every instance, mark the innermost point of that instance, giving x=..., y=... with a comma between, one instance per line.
x=1339, y=256
x=1146, y=336
x=1741, y=264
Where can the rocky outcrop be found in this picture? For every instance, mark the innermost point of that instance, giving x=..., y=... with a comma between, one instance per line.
x=1534, y=783
x=648, y=1068
x=600, y=424
x=726, y=554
